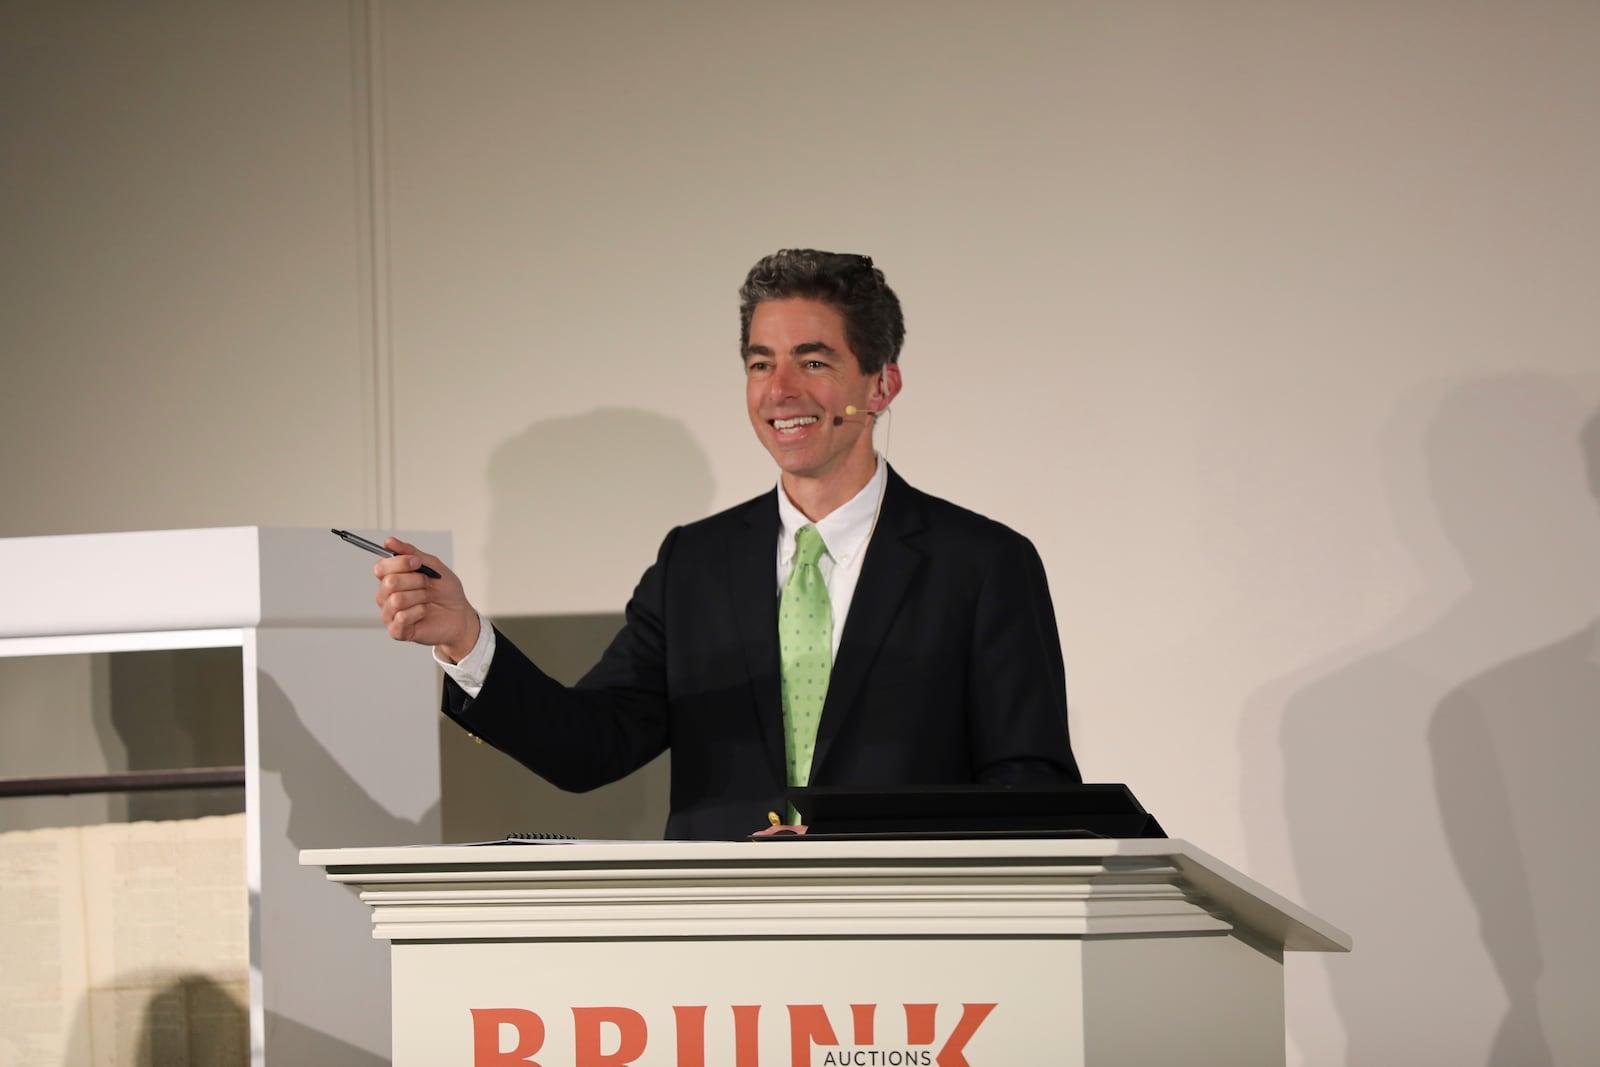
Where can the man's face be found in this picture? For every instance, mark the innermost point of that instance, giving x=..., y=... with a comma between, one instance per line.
x=799, y=375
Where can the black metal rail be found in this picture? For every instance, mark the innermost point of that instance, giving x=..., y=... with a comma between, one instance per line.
x=124, y=782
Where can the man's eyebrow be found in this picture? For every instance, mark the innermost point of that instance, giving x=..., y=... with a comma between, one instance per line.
x=805, y=348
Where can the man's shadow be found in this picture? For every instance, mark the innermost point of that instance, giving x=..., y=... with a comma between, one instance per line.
x=1412, y=755
x=1513, y=755
x=606, y=485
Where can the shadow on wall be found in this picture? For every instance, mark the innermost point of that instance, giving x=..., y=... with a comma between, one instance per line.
x=192, y=1021
x=196, y=1021
x=1513, y=754
x=607, y=485
x=1434, y=781
x=328, y=808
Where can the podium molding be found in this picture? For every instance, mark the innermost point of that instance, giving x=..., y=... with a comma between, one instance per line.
x=793, y=951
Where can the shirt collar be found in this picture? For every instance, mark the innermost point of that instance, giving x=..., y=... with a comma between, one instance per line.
x=844, y=530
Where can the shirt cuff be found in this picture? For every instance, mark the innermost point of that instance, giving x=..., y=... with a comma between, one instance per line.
x=473, y=669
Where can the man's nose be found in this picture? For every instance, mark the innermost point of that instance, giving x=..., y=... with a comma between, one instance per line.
x=784, y=382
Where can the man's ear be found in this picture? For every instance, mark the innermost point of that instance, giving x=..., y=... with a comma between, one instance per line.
x=887, y=387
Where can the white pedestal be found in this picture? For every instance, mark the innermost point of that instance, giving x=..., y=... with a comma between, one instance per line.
x=341, y=733
x=830, y=953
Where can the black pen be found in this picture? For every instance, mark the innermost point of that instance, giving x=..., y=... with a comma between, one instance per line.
x=379, y=550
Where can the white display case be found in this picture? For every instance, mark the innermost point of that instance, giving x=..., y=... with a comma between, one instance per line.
x=340, y=733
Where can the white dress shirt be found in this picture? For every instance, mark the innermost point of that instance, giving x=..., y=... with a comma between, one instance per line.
x=846, y=531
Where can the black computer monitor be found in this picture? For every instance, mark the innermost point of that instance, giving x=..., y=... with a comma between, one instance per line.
x=1099, y=810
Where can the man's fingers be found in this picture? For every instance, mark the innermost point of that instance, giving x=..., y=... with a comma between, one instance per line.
x=400, y=581
x=394, y=565
x=394, y=603
x=388, y=587
x=412, y=606
x=404, y=622
x=418, y=559
x=408, y=563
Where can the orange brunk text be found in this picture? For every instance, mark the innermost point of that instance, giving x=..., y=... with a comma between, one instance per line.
x=624, y=1033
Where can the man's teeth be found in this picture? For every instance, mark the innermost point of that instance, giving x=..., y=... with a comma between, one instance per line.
x=790, y=424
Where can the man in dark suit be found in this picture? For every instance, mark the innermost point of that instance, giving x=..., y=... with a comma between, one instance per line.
x=945, y=663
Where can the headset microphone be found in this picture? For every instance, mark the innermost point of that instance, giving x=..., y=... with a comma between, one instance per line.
x=852, y=410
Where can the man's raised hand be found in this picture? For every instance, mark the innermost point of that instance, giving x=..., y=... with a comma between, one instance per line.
x=427, y=611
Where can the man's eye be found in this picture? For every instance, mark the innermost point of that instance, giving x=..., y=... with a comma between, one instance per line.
x=754, y=366
x=815, y=364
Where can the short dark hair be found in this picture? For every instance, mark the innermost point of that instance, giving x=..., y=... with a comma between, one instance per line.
x=850, y=284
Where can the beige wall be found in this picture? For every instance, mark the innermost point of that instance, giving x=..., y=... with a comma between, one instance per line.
x=1274, y=325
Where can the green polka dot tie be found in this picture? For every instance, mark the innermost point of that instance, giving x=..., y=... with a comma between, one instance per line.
x=805, y=649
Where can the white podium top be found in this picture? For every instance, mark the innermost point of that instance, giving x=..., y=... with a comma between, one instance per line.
x=815, y=888
x=164, y=582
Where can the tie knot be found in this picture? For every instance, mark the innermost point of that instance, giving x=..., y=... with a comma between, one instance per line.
x=808, y=546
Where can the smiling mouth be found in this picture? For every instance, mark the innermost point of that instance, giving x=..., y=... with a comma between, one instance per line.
x=793, y=425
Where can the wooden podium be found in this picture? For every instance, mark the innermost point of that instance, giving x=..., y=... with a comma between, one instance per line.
x=340, y=732
x=791, y=952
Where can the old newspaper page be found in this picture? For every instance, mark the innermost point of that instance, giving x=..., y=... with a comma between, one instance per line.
x=125, y=945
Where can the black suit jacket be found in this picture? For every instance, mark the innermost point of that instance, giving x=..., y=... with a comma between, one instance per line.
x=949, y=671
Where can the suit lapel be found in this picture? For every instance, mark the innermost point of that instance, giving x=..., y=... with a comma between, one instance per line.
x=752, y=586
x=886, y=574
